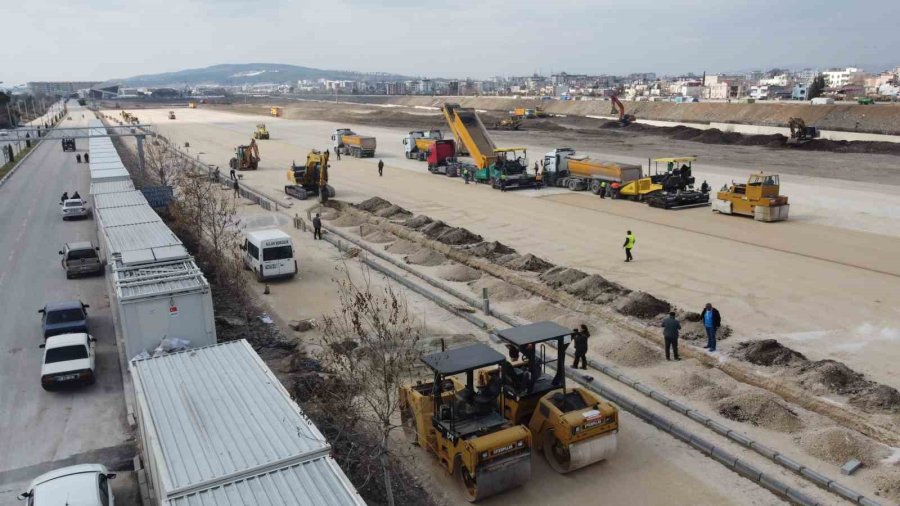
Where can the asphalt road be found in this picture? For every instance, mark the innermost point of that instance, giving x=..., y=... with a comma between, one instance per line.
x=39, y=430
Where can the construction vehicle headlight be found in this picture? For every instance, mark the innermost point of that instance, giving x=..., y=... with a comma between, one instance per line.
x=484, y=455
x=520, y=444
x=576, y=429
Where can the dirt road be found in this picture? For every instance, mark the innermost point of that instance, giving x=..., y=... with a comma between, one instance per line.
x=824, y=286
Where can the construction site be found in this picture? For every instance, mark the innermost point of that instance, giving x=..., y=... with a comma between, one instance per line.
x=796, y=246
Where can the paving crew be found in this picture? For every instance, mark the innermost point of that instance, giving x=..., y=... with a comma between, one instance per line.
x=380, y=167
x=670, y=333
x=629, y=245
x=503, y=182
x=580, y=337
x=704, y=187
x=466, y=174
x=712, y=320
x=602, y=189
x=317, y=227
x=337, y=152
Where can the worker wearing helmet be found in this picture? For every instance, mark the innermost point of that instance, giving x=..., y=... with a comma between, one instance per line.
x=629, y=245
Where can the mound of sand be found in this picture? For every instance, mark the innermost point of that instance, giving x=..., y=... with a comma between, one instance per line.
x=760, y=409
x=768, y=352
x=458, y=272
x=539, y=310
x=838, y=445
x=562, y=276
x=643, y=305
x=529, y=263
x=878, y=398
x=833, y=377
x=348, y=220
x=403, y=247
x=373, y=205
x=634, y=352
x=498, y=289
x=490, y=250
x=888, y=484
x=434, y=229
x=417, y=222
x=393, y=212
x=457, y=237
x=426, y=257
x=595, y=288
x=695, y=386
x=373, y=234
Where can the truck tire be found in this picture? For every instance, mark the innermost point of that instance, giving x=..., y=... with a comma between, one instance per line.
x=595, y=187
x=572, y=184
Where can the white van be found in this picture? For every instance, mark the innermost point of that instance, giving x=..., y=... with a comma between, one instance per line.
x=269, y=253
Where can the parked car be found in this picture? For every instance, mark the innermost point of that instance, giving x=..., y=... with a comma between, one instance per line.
x=81, y=258
x=84, y=485
x=68, y=360
x=64, y=317
x=4, y=133
x=74, y=208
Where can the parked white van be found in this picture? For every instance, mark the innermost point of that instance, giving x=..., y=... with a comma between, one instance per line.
x=269, y=253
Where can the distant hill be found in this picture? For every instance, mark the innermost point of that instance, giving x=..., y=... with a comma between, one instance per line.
x=246, y=73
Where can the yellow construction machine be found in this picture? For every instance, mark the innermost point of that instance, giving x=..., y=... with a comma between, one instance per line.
x=245, y=157
x=171, y=114
x=192, y=105
x=275, y=111
x=310, y=179
x=463, y=427
x=758, y=198
x=261, y=132
x=510, y=123
x=573, y=426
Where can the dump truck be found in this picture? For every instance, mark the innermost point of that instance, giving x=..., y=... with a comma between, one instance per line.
x=346, y=142
x=276, y=111
x=564, y=168
x=573, y=426
x=465, y=429
x=171, y=114
x=442, y=158
x=471, y=135
x=310, y=179
x=261, y=132
x=523, y=113
x=417, y=143
x=245, y=157
x=758, y=198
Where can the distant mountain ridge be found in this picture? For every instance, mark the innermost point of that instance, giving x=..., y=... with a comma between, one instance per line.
x=246, y=73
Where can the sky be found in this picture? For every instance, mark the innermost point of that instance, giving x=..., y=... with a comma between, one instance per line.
x=105, y=39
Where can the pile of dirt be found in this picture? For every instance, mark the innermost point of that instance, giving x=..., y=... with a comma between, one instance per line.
x=458, y=272
x=373, y=205
x=402, y=247
x=435, y=229
x=417, y=222
x=595, y=288
x=539, y=310
x=498, y=289
x=348, y=220
x=878, y=398
x=695, y=386
x=457, y=237
x=562, y=276
x=888, y=484
x=489, y=250
x=768, y=352
x=394, y=212
x=643, y=305
x=374, y=234
x=833, y=377
x=634, y=352
x=529, y=263
x=760, y=409
x=838, y=445
x=427, y=257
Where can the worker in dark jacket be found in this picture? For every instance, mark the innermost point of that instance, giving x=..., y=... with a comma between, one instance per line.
x=580, y=338
x=380, y=167
x=712, y=320
x=87, y=158
x=317, y=227
x=670, y=333
x=629, y=245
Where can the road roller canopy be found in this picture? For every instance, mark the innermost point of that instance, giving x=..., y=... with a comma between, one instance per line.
x=677, y=159
x=534, y=333
x=467, y=358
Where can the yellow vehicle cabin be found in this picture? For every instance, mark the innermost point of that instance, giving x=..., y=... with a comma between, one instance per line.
x=276, y=111
x=759, y=198
x=261, y=132
x=192, y=105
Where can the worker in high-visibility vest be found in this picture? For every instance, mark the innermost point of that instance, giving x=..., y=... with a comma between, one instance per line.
x=629, y=245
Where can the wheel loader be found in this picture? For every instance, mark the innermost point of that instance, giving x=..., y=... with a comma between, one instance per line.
x=245, y=157
x=310, y=179
x=261, y=132
x=463, y=427
x=572, y=426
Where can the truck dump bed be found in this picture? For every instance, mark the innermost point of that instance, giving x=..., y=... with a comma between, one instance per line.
x=471, y=134
x=610, y=171
x=360, y=141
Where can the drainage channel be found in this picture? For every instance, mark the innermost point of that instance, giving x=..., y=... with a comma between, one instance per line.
x=707, y=448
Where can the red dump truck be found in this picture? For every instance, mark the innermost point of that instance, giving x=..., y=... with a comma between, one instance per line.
x=346, y=142
x=564, y=168
x=442, y=158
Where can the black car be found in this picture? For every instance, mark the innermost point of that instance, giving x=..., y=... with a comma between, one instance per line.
x=65, y=317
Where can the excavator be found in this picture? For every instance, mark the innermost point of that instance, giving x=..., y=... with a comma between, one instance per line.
x=463, y=427
x=510, y=123
x=261, y=132
x=618, y=107
x=310, y=179
x=800, y=132
x=245, y=157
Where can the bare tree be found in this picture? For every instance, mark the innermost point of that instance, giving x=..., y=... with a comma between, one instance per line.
x=220, y=224
x=162, y=164
x=370, y=346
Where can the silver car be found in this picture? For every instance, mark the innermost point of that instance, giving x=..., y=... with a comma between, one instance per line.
x=81, y=258
x=74, y=208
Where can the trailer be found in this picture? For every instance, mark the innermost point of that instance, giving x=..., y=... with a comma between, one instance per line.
x=347, y=142
x=564, y=168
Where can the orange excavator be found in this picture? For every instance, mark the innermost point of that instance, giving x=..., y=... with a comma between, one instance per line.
x=618, y=107
x=245, y=157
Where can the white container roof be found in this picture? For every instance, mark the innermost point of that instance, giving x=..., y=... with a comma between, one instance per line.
x=106, y=187
x=139, y=237
x=110, y=175
x=120, y=199
x=162, y=278
x=124, y=216
x=223, y=430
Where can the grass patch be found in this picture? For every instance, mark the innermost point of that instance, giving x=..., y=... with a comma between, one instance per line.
x=8, y=166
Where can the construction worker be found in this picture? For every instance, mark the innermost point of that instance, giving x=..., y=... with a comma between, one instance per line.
x=704, y=187
x=466, y=174
x=580, y=337
x=337, y=152
x=670, y=333
x=380, y=167
x=237, y=188
x=87, y=158
x=712, y=320
x=602, y=189
x=317, y=227
x=629, y=245
x=75, y=195
x=503, y=182
x=78, y=157
x=65, y=197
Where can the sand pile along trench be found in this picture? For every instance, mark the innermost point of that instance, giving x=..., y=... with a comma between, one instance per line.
x=348, y=220
x=560, y=276
x=693, y=385
x=394, y=212
x=417, y=222
x=371, y=233
x=528, y=263
x=489, y=250
x=768, y=352
x=402, y=247
x=630, y=352
x=373, y=205
x=457, y=236
x=761, y=409
x=595, y=288
x=459, y=272
x=426, y=257
x=643, y=305
x=837, y=445
x=498, y=289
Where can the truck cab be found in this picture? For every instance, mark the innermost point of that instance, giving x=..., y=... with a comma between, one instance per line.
x=337, y=140
x=269, y=254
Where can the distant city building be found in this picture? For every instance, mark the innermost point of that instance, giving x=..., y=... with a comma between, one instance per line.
x=837, y=78
x=800, y=91
x=59, y=87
